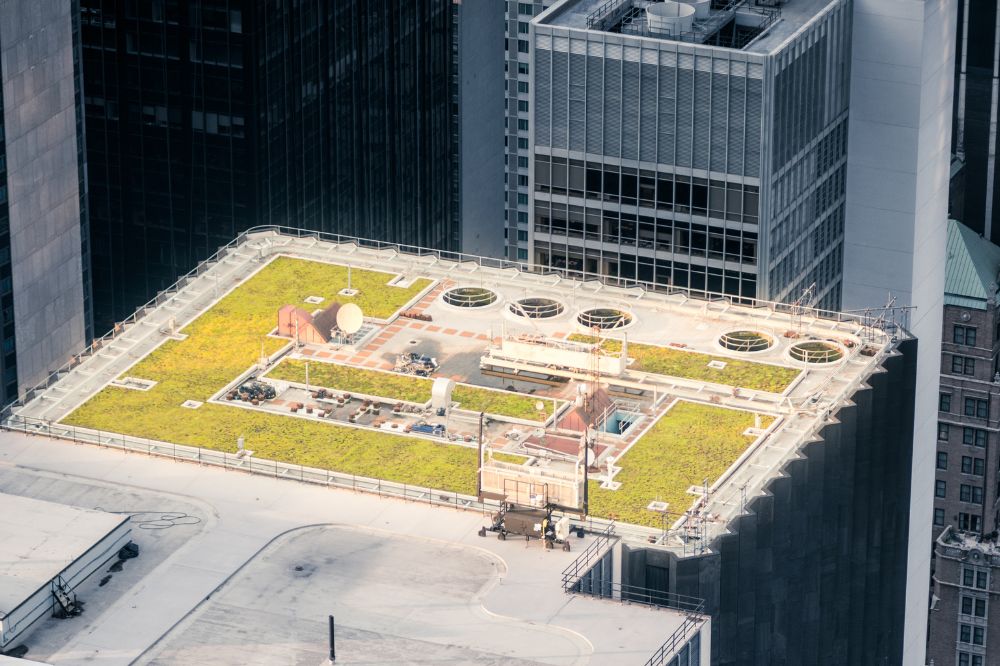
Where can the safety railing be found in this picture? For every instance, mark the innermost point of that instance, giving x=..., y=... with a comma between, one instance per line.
x=244, y=463
x=869, y=318
x=675, y=641
x=579, y=567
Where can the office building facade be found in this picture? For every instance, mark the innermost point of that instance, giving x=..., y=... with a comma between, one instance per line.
x=517, y=105
x=965, y=591
x=192, y=122
x=975, y=196
x=968, y=444
x=45, y=299
x=692, y=160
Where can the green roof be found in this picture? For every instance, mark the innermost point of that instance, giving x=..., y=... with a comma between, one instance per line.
x=973, y=265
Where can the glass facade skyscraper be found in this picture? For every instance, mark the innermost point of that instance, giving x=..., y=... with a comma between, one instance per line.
x=168, y=157
x=357, y=128
x=713, y=164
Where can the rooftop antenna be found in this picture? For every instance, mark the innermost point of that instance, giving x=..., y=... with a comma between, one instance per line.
x=595, y=371
x=801, y=304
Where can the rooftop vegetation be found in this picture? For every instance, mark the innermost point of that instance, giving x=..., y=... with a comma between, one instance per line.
x=392, y=386
x=690, y=443
x=226, y=340
x=694, y=365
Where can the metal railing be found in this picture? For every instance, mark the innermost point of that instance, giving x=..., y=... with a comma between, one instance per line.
x=249, y=464
x=675, y=641
x=585, y=561
x=709, y=298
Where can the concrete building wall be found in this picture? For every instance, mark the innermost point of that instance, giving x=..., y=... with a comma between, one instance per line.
x=481, y=118
x=814, y=572
x=43, y=184
x=967, y=442
x=897, y=204
x=966, y=591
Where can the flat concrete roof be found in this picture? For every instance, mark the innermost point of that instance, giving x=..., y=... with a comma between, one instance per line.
x=660, y=323
x=795, y=14
x=38, y=540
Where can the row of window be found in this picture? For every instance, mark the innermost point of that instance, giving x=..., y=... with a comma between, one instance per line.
x=640, y=187
x=967, y=659
x=649, y=233
x=967, y=522
x=964, y=335
x=978, y=578
x=967, y=493
x=971, y=635
x=978, y=407
x=963, y=365
x=973, y=606
x=970, y=465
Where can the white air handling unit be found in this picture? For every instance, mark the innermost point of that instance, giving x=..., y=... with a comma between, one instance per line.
x=670, y=18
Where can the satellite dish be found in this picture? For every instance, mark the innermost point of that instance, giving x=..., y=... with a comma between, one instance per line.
x=349, y=318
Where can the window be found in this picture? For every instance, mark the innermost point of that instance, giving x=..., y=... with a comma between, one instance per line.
x=965, y=633
x=967, y=605
x=522, y=68
x=963, y=365
x=522, y=180
x=522, y=87
x=522, y=143
x=522, y=163
x=944, y=402
x=977, y=635
x=969, y=522
x=964, y=335
x=522, y=199
x=522, y=236
x=979, y=466
x=522, y=106
x=525, y=8
x=982, y=579
x=522, y=28
x=522, y=254
x=974, y=437
x=522, y=46
x=943, y=431
x=522, y=124
x=968, y=576
x=942, y=460
x=940, y=489
x=939, y=517
x=968, y=659
x=976, y=407
x=966, y=464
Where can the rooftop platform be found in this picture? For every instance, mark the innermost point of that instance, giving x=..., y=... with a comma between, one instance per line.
x=42, y=542
x=761, y=29
x=717, y=396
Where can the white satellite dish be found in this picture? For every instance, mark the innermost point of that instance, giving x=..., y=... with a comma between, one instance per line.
x=349, y=318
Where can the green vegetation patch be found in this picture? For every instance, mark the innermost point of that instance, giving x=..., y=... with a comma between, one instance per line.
x=226, y=340
x=512, y=458
x=694, y=365
x=392, y=386
x=690, y=443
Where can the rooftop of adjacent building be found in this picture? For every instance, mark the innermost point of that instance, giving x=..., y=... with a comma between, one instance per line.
x=680, y=349
x=961, y=545
x=972, y=274
x=754, y=26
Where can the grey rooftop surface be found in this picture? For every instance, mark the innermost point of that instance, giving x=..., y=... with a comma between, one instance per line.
x=407, y=582
x=795, y=15
x=39, y=539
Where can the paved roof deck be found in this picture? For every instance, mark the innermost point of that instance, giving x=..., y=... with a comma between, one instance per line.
x=38, y=540
x=795, y=14
x=459, y=337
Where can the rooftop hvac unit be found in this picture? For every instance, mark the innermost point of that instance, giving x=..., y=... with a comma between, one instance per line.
x=670, y=18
